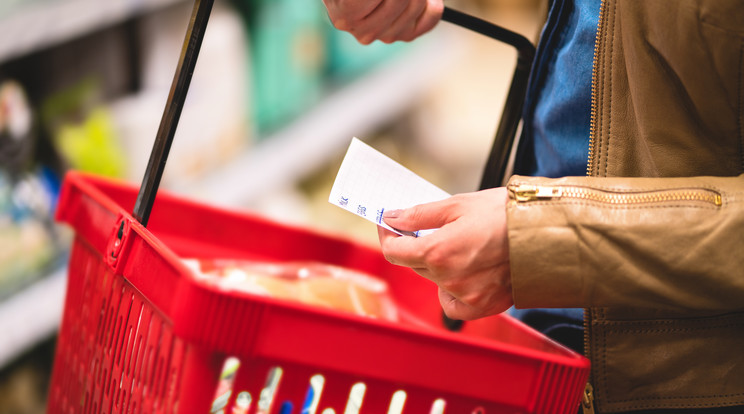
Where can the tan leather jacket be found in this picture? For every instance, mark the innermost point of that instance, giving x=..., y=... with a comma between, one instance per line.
x=652, y=240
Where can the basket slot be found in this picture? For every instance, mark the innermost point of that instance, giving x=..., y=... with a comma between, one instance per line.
x=136, y=368
x=418, y=402
x=147, y=372
x=295, y=386
x=251, y=377
x=130, y=356
x=119, y=388
x=377, y=397
x=554, y=383
x=335, y=392
x=354, y=402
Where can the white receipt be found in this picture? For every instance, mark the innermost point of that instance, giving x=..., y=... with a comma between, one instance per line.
x=369, y=183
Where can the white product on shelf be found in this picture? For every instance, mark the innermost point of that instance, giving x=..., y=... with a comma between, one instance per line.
x=214, y=124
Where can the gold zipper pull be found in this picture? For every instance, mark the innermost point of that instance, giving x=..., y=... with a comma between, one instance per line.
x=587, y=401
x=524, y=192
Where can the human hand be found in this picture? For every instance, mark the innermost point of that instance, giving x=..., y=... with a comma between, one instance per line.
x=468, y=257
x=386, y=20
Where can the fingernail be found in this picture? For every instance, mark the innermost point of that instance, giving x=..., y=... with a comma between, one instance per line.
x=391, y=213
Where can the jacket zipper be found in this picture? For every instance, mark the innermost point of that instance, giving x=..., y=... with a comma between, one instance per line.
x=587, y=403
x=526, y=193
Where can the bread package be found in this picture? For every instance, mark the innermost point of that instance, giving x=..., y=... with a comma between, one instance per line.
x=311, y=283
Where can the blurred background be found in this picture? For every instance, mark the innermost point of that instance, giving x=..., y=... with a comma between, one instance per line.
x=276, y=97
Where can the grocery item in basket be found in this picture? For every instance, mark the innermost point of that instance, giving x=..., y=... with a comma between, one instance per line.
x=312, y=283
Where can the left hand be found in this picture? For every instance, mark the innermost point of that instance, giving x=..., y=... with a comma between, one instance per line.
x=468, y=257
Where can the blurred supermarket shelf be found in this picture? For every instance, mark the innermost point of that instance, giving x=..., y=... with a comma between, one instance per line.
x=324, y=131
x=27, y=26
x=356, y=109
x=31, y=315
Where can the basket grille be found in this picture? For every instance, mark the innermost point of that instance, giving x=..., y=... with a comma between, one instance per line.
x=115, y=353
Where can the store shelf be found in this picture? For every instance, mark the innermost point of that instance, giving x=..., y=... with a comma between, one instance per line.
x=279, y=160
x=34, y=25
x=31, y=315
x=324, y=131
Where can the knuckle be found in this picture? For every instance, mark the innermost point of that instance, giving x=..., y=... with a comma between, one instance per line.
x=366, y=39
x=387, y=254
x=371, y=35
x=341, y=24
x=414, y=213
x=387, y=39
x=407, y=37
x=437, y=258
x=449, y=285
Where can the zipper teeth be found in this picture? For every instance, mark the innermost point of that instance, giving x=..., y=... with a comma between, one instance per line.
x=705, y=196
x=590, y=157
x=593, y=114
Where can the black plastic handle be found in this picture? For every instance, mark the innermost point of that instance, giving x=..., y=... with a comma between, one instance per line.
x=497, y=160
x=495, y=169
x=172, y=113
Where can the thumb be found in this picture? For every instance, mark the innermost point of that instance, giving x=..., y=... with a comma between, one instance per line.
x=423, y=216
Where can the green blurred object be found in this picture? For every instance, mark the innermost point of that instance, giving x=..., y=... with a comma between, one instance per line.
x=347, y=58
x=91, y=146
x=83, y=131
x=287, y=57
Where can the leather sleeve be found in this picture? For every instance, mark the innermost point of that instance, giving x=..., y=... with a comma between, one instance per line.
x=662, y=252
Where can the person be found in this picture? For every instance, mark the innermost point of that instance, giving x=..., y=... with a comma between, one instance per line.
x=647, y=96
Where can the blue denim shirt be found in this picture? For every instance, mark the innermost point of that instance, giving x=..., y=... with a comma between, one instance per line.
x=555, y=133
x=555, y=137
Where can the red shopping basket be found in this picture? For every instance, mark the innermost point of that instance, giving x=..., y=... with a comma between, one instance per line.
x=141, y=334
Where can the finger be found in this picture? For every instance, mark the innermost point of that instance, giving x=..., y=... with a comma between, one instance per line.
x=403, y=250
x=405, y=23
x=429, y=18
x=376, y=22
x=425, y=19
x=346, y=15
x=423, y=216
x=400, y=258
x=384, y=234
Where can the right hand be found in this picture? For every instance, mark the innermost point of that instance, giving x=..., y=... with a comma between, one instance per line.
x=468, y=257
x=385, y=20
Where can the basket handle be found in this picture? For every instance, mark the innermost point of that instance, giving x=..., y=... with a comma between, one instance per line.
x=495, y=168
x=172, y=113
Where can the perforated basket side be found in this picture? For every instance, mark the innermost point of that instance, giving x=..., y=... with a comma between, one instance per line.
x=115, y=353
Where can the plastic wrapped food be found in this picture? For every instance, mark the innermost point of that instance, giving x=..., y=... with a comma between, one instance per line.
x=311, y=283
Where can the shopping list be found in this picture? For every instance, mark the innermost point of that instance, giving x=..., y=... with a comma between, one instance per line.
x=369, y=183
